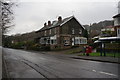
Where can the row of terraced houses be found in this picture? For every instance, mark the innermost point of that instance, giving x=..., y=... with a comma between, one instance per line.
x=62, y=33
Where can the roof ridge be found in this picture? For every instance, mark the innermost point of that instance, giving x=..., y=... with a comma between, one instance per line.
x=56, y=23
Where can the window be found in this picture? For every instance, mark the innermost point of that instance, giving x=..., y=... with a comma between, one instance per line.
x=50, y=31
x=45, y=33
x=73, y=31
x=42, y=41
x=80, y=40
x=55, y=31
x=66, y=42
x=118, y=32
x=80, y=31
x=53, y=41
x=83, y=41
x=48, y=41
x=76, y=41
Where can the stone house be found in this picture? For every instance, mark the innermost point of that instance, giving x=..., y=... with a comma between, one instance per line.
x=62, y=33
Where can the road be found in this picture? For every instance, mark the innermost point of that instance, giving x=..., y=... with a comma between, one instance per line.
x=24, y=64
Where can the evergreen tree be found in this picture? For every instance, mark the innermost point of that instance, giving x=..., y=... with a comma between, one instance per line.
x=85, y=34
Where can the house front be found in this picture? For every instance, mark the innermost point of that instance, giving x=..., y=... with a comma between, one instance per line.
x=62, y=33
x=117, y=24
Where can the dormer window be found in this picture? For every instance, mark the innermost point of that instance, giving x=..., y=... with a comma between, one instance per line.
x=73, y=31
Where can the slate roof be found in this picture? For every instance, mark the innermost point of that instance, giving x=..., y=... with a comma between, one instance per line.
x=56, y=23
x=118, y=15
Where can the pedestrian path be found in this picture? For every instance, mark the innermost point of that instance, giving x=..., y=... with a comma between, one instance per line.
x=101, y=59
x=93, y=58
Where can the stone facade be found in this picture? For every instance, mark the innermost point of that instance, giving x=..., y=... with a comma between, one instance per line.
x=63, y=33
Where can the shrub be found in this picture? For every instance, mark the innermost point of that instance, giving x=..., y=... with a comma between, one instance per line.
x=18, y=45
x=45, y=48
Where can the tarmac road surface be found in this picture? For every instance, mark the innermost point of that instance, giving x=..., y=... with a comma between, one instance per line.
x=24, y=64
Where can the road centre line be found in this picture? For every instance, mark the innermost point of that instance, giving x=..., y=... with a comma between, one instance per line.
x=104, y=73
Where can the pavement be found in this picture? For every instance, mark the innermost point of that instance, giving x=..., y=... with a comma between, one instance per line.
x=92, y=58
x=101, y=59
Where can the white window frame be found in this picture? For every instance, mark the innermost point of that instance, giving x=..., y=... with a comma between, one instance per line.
x=54, y=39
x=77, y=41
x=73, y=31
x=45, y=32
x=80, y=40
x=80, y=31
x=83, y=41
x=50, y=31
x=118, y=32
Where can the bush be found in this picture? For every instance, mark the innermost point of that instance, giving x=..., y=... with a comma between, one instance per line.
x=30, y=45
x=75, y=50
x=45, y=48
x=19, y=45
x=74, y=46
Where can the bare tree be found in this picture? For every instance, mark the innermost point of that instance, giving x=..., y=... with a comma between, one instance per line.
x=6, y=15
x=6, y=18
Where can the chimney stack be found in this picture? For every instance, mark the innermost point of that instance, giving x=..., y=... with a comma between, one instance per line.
x=49, y=23
x=45, y=24
x=59, y=19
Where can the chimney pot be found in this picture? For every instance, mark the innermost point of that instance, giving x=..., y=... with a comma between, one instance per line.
x=49, y=23
x=59, y=19
x=45, y=24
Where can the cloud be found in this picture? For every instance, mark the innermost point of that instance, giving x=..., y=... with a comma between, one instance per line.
x=68, y=0
x=32, y=15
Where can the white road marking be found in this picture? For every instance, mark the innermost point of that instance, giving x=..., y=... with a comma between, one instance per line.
x=107, y=73
x=104, y=73
x=94, y=70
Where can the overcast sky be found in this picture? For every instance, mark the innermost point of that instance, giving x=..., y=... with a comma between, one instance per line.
x=30, y=15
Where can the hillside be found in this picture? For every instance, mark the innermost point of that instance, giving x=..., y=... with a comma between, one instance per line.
x=102, y=24
x=95, y=28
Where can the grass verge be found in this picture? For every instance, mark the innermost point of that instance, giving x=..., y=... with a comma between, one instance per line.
x=72, y=51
